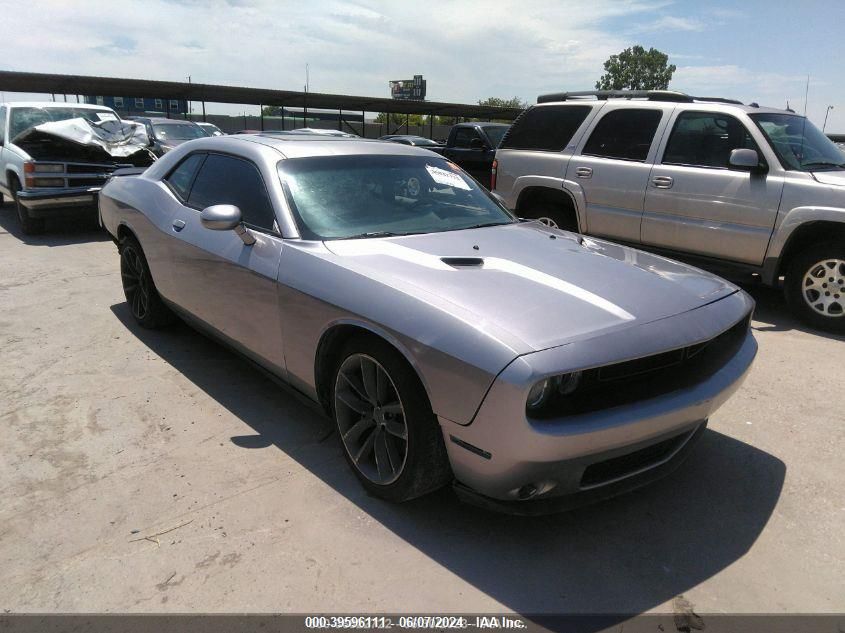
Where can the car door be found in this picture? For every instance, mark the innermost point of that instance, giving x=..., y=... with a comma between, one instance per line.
x=612, y=167
x=4, y=184
x=217, y=278
x=695, y=203
x=472, y=156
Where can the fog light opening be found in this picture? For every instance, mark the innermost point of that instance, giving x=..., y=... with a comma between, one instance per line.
x=527, y=491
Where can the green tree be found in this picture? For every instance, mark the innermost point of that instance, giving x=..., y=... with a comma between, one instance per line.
x=498, y=102
x=637, y=69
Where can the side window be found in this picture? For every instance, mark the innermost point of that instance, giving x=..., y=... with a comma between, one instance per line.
x=545, y=128
x=180, y=178
x=706, y=139
x=2, y=124
x=229, y=180
x=624, y=134
x=463, y=137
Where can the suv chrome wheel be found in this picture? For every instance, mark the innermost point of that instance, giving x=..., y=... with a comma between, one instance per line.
x=548, y=222
x=371, y=419
x=823, y=287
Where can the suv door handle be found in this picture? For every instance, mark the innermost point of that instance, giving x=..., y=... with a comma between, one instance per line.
x=662, y=182
x=178, y=225
x=584, y=172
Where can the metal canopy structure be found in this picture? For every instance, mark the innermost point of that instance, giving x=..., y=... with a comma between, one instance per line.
x=113, y=86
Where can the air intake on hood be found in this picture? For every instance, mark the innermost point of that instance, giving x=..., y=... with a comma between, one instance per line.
x=463, y=262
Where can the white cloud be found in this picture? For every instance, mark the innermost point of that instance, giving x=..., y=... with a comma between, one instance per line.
x=671, y=23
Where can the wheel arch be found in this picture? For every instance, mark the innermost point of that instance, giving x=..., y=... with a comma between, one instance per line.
x=535, y=193
x=815, y=231
x=331, y=341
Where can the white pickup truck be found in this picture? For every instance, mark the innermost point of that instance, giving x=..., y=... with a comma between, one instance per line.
x=55, y=157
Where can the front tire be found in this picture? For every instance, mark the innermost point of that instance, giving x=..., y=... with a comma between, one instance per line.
x=147, y=307
x=29, y=225
x=815, y=286
x=389, y=434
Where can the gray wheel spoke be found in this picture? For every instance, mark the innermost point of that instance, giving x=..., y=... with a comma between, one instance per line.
x=357, y=429
x=357, y=388
x=397, y=429
x=393, y=408
x=369, y=372
x=366, y=448
x=392, y=453
x=351, y=400
x=385, y=470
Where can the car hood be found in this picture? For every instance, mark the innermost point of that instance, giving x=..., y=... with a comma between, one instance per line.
x=544, y=287
x=830, y=177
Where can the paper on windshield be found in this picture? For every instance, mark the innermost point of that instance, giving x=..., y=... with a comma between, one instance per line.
x=447, y=178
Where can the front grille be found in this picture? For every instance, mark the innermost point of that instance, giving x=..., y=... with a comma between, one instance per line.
x=625, y=465
x=91, y=181
x=648, y=377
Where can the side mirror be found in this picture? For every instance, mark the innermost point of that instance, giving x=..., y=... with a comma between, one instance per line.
x=226, y=217
x=476, y=143
x=221, y=217
x=745, y=160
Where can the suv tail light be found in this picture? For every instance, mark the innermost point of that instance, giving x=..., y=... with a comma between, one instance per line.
x=493, y=174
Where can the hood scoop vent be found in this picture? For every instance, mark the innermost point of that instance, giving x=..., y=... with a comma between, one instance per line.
x=463, y=262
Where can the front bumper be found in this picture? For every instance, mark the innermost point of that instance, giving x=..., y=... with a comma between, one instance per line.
x=586, y=456
x=46, y=203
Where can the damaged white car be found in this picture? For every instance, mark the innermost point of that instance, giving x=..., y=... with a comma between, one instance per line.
x=55, y=157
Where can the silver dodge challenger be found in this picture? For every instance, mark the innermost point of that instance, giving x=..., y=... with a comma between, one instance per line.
x=450, y=342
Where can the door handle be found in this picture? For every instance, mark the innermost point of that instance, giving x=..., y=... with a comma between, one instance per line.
x=178, y=225
x=584, y=172
x=662, y=182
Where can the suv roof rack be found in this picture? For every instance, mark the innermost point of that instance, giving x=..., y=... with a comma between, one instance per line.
x=650, y=95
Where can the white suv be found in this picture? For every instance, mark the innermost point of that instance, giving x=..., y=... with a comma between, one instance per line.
x=737, y=188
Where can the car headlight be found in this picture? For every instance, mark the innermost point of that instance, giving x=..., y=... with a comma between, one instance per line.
x=545, y=390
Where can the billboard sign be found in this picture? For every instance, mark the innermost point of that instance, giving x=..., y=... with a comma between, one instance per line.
x=409, y=89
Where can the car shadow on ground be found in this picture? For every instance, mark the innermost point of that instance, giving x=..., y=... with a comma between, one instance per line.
x=61, y=231
x=623, y=556
x=773, y=315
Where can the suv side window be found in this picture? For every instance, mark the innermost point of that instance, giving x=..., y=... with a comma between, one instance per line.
x=230, y=180
x=464, y=135
x=2, y=124
x=706, y=139
x=545, y=128
x=180, y=179
x=625, y=134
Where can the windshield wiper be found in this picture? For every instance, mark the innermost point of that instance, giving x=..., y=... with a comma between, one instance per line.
x=376, y=234
x=483, y=225
x=823, y=163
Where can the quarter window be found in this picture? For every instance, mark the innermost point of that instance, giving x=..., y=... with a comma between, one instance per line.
x=545, y=128
x=706, y=139
x=3, y=123
x=180, y=178
x=229, y=180
x=624, y=134
x=464, y=136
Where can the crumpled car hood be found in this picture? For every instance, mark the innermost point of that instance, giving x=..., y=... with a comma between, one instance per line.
x=545, y=287
x=82, y=140
x=830, y=177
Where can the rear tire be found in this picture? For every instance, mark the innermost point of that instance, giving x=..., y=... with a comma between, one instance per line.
x=552, y=215
x=145, y=303
x=29, y=225
x=388, y=432
x=815, y=286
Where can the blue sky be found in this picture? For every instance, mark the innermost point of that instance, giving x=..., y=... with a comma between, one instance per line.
x=467, y=50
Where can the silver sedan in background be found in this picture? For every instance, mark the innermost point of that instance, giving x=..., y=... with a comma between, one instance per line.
x=533, y=368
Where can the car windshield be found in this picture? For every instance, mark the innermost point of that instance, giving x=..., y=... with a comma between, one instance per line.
x=23, y=118
x=495, y=133
x=341, y=197
x=177, y=131
x=798, y=143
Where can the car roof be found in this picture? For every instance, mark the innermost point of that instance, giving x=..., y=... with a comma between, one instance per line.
x=54, y=104
x=301, y=146
x=663, y=105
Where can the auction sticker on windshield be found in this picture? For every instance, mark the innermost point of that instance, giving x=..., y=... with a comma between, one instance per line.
x=447, y=178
